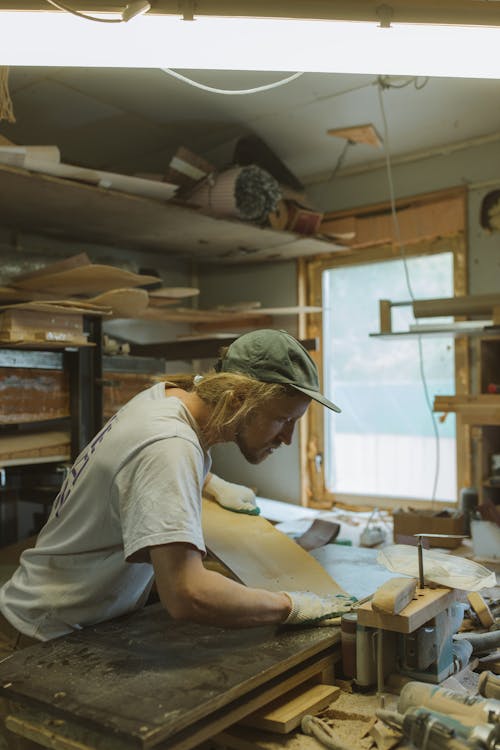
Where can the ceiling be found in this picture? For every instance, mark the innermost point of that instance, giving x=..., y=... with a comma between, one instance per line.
x=132, y=121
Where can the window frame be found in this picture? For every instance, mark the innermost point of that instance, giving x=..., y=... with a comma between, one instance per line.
x=312, y=439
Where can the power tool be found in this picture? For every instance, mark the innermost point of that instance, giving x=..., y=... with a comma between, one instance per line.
x=431, y=730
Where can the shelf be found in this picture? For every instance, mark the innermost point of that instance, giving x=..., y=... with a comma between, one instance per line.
x=202, y=348
x=483, y=409
x=70, y=210
x=489, y=332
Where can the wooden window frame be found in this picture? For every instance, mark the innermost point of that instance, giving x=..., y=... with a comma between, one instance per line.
x=312, y=440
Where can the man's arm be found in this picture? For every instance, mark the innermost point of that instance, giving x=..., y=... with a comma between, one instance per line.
x=189, y=591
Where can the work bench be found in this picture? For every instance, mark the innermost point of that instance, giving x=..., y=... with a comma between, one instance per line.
x=146, y=682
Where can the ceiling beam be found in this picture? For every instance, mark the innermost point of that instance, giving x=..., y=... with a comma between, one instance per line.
x=468, y=12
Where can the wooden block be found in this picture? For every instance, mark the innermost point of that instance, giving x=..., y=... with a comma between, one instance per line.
x=22, y=324
x=481, y=609
x=429, y=602
x=260, y=555
x=287, y=712
x=393, y=596
x=385, y=317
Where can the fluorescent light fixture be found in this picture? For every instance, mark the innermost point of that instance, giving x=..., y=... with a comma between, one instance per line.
x=159, y=41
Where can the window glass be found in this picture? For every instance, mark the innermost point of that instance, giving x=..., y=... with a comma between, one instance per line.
x=383, y=443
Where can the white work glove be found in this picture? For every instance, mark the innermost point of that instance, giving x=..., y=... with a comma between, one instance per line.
x=312, y=609
x=231, y=496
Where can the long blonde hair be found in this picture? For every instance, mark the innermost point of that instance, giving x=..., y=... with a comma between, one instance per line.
x=232, y=397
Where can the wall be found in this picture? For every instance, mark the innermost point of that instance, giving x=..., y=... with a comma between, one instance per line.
x=472, y=167
x=275, y=284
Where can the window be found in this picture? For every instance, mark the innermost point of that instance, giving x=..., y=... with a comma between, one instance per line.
x=384, y=443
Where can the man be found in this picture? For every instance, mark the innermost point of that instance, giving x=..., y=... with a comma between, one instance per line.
x=130, y=507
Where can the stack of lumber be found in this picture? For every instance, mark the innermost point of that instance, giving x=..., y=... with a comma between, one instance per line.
x=35, y=447
x=48, y=305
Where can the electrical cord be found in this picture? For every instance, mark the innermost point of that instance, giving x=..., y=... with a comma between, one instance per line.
x=409, y=286
x=61, y=6
x=341, y=158
x=131, y=10
x=230, y=92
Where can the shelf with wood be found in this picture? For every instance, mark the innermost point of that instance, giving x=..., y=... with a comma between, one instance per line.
x=480, y=413
x=71, y=210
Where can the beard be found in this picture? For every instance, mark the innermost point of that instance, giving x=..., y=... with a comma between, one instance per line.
x=251, y=454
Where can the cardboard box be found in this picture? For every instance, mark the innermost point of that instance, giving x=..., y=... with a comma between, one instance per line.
x=410, y=522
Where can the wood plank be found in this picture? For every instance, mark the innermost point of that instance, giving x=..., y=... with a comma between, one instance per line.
x=122, y=678
x=286, y=713
x=85, y=280
x=32, y=395
x=260, y=555
x=358, y=134
x=472, y=304
x=34, y=445
x=74, y=261
x=428, y=603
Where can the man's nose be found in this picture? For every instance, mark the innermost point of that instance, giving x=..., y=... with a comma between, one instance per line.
x=286, y=433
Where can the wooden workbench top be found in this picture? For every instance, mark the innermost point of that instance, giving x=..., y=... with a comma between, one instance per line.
x=143, y=679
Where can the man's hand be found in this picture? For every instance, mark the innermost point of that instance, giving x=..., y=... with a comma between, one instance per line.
x=231, y=496
x=312, y=609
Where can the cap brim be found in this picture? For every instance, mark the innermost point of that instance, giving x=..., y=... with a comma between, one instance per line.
x=319, y=398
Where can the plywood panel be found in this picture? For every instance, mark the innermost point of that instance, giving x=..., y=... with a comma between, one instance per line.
x=260, y=555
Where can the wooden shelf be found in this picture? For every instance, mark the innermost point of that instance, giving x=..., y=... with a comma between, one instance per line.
x=66, y=209
x=488, y=332
x=483, y=409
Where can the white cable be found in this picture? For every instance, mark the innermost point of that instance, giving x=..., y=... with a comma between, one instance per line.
x=132, y=9
x=230, y=92
x=410, y=290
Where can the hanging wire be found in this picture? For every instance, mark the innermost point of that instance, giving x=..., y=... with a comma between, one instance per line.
x=67, y=9
x=230, y=92
x=410, y=289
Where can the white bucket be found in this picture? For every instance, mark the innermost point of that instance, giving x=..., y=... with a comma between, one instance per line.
x=485, y=539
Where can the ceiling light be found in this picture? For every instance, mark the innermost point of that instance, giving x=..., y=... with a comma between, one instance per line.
x=161, y=41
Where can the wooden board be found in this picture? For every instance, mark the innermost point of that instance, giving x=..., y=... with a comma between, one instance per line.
x=13, y=448
x=429, y=602
x=143, y=679
x=85, y=280
x=286, y=713
x=261, y=556
x=74, y=261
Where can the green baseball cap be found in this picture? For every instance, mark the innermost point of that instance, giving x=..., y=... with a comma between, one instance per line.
x=274, y=357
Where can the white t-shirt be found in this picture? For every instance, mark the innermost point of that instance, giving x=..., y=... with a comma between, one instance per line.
x=137, y=484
